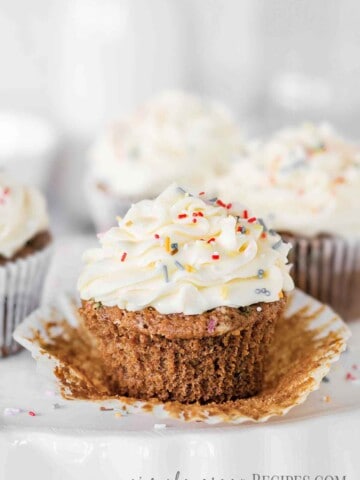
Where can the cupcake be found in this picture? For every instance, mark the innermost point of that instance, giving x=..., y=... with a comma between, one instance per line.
x=305, y=183
x=24, y=256
x=182, y=298
x=174, y=137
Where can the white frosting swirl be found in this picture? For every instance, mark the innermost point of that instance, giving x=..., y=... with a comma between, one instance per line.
x=179, y=253
x=305, y=180
x=22, y=215
x=174, y=137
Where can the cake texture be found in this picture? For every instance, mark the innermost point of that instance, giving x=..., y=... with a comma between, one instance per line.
x=24, y=256
x=182, y=299
x=305, y=183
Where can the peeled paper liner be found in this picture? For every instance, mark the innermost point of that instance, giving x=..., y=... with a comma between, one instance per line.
x=307, y=340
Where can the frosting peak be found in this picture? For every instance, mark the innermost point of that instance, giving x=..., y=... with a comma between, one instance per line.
x=22, y=215
x=182, y=253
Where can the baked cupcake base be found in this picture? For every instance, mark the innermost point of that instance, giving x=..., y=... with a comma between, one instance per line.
x=215, y=357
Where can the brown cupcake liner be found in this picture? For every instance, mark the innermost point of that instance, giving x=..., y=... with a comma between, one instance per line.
x=215, y=368
x=21, y=286
x=328, y=268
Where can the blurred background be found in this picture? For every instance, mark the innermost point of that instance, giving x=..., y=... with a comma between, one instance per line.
x=70, y=66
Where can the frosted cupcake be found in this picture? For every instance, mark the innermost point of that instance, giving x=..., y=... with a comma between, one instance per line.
x=173, y=137
x=305, y=182
x=24, y=256
x=182, y=298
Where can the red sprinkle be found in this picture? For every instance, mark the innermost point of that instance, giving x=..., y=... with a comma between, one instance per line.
x=202, y=193
x=194, y=220
x=239, y=229
x=215, y=256
x=123, y=257
x=245, y=214
x=220, y=203
x=157, y=236
x=228, y=206
x=263, y=235
x=198, y=214
x=252, y=220
x=211, y=240
x=182, y=215
x=32, y=414
x=350, y=376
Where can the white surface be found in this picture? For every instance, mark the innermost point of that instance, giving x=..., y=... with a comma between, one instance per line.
x=79, y=441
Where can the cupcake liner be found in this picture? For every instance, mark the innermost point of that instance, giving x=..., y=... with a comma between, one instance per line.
x=307, y=340
x=105, y=207
x=21, y=286
x=328, y=268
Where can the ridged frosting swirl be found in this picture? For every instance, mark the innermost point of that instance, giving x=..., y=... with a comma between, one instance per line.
x=183, y=254
x=305, y=180
x=23, y=214
x=173, y=137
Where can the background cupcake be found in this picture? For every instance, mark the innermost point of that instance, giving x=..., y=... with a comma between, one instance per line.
x=24, y=256
x=174, y=137
x=182, y=298
x=305, y=182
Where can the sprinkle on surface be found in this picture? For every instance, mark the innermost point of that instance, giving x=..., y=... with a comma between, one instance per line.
x=215, y=256
x=260, y=273
x=243, y=247
x=277, y=245
x=252, y=220
x=179, y=266
x=265, y=291
x=182, y=215
x=245, y=214
x=258, y=309
x=263, y=224
x=157, y=236
x=166, y=273
x=189, y=268
x=31, y=413
x=212, y=239
x=224, y=292
x=123, y=256
x=167, y=244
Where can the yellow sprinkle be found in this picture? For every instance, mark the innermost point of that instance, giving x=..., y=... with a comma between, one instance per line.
x=151, y=265
x=248, y=231
x=129, y=223
x=243, y=247
x=224, y=292
x=281, y=294
x=167, y=244
x=118, y=415
x=189, y=268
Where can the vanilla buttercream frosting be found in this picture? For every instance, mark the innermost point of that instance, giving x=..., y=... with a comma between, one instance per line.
x=173, y=137
x=304, y=180
x=23, y=214
x=181, y=253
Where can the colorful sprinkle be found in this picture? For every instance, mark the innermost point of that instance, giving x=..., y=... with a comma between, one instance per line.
x=220, y=203
x=182, y=215
x=263, y=290
x=106, y=409
x=212, y=239
x=243, y=247
x=174, y=245
x=252, y=220
x=272, y=232
x=215, y=256
x=166, y=273
x=213, y=200
x=189, y=268
x=326, y=380
x=277, y=245
x=245, y=214
x=281, y=295
x=260, y=273
x=11, y=411
x=212, y=324
x=228, y=206
x=123, y=256
x=178, y=264
x=157, y=236
x=258, y=309
x=350, y=376
x=167, y=244
x=129, y=223
x=181, y=190
x=241, y=229
x=263, y=235
x=201, y=193
x=194, y=220
x=263, y=224
x=32, y=414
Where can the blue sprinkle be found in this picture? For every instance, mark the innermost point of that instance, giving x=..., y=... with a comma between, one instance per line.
x=260, y=273
x=258, y=290
x=178, y=264
x=166, y=273
x=262, y=223
x=272, y=232
x=326, y=379
x=174, y=246
x=181, y=190
x=277, y=244
x=212, y=199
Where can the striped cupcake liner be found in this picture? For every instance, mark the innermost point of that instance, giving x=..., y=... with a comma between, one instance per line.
x=328, y=269
x=21, y=287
